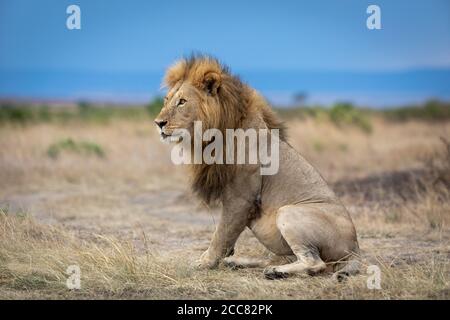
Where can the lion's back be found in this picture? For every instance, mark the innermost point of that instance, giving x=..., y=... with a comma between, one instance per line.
x=296, y=181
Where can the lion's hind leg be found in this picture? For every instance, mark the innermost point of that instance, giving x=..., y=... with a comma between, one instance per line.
x=243, y=262
x=302, y=231
x=307, y=262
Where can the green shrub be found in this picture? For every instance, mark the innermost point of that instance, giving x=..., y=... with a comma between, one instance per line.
x=341, y=114
x=80, y=147
x=43, y=114
x=345, y=114
x=155, y=106
x=16, y=114
x=432, y=110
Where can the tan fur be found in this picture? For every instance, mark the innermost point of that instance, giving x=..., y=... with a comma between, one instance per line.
x=297, y=213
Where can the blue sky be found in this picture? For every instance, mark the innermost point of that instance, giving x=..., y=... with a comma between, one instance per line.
x=138, y=37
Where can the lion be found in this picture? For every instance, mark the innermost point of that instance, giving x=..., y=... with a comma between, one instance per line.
x=293, y=213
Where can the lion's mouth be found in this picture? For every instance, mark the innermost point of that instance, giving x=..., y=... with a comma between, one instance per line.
x=164, y=135
x=168, y=137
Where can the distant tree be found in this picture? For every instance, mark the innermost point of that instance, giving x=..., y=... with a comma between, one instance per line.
x=300, y=98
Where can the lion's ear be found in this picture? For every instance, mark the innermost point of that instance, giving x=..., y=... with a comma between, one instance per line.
x=211, y=82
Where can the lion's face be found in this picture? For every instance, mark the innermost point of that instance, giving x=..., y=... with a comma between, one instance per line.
x=193, y=96
x=180, y=110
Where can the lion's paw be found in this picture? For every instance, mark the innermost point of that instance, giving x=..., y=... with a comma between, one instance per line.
x=231, y=263
x=271, y=273
x=205, y=262
x=202, y=265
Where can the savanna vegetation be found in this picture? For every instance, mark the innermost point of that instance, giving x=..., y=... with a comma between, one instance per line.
x=92, y=186
x=341, y=114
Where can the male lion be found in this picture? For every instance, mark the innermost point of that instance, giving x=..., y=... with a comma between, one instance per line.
x=293, y=213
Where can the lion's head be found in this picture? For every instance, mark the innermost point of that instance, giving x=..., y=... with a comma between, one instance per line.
x=201, y=89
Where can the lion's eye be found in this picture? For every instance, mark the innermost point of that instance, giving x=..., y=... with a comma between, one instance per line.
x=181, y=102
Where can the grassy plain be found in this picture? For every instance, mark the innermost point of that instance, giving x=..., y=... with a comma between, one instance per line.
x=102, y=193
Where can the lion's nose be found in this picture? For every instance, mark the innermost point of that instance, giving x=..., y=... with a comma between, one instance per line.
x=160, y=123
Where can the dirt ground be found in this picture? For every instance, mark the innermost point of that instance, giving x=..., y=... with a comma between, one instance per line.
x=130, y=222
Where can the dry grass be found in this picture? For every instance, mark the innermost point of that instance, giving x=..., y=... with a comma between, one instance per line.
x=127, y=218
x=34, y=259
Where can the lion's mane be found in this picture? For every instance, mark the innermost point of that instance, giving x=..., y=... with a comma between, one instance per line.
x=228, y=103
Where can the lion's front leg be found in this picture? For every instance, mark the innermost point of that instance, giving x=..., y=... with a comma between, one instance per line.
x=232, y=222
x=238, y=199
